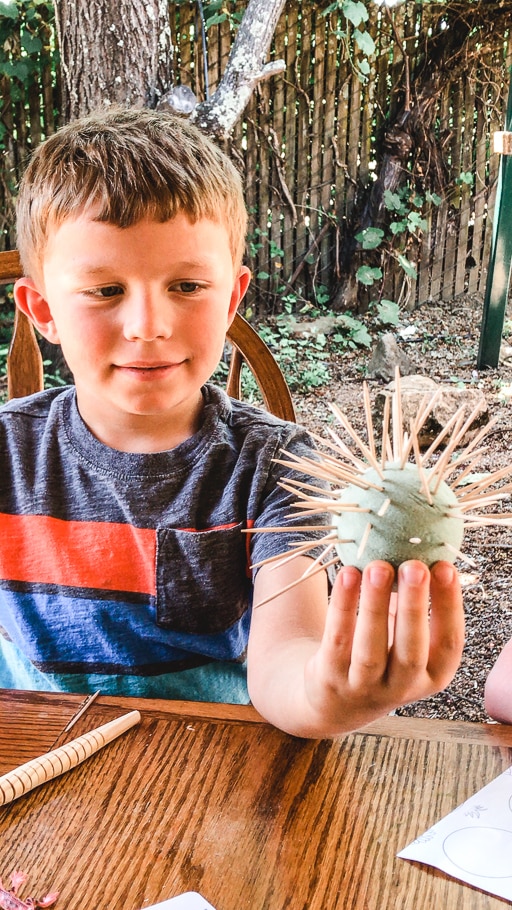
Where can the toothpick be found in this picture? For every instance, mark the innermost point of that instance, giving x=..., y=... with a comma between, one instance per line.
x=437, y=473
x=297, y=486
x=503, y=519
x=289, y=528
x=460, y=555
x=298, y=550
x=356, y=438
x=439, y=438
x=462, y=458
x=422, y=474
x=294, y=584
x=385, y=431
x=485, y=482
x=336, y=444
x=398, y=430
x=369, y=421
x=384, y=507
x=78, y=714
x=364, y=540
x=490, y=497
x=467, y=470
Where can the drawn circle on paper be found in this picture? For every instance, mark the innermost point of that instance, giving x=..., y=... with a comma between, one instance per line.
x=483, y=852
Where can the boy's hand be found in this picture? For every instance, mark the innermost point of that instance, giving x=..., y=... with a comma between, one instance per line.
x=371, y=655
x=355, y=661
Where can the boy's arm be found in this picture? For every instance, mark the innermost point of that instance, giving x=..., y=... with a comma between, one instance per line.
x=319, y=670
x=498, y=688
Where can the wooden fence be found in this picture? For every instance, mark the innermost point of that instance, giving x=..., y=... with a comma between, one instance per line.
x=308, y=146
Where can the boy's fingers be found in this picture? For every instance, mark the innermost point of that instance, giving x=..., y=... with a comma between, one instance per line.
x=446, y=624
x=411, y=645
x=370, y=646
x=336, y=647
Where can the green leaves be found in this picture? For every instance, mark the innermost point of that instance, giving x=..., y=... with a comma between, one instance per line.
x=370, y=238
x=9, y=11
x=365, y=42
x=396, y=240
x=388, y=312
x=353, y=10
x=355, y=13
x=368, y=275
x=408, y=266
x=30, y=43
x=358, y=333
x=392, y=201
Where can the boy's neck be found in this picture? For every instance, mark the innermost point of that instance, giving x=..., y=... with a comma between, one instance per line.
x=144, y=434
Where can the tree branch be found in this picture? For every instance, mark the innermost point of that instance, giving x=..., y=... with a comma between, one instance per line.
x=246, y=67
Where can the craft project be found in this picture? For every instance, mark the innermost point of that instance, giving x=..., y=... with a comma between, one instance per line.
x=189, y=901
x=388, y=500
x=474, y=842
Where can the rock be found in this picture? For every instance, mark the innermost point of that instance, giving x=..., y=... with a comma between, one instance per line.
x=386, y=357
x=414, y=388
x=324, y=325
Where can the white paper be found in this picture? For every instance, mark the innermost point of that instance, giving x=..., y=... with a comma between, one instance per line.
x=473, y=843
x=189, y=901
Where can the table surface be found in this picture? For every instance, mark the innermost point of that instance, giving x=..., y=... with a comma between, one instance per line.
x=210, y=798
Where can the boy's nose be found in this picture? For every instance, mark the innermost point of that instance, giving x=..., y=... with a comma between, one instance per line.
x=147, y=317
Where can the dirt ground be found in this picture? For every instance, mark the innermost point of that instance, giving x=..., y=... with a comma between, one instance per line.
x=444, y=347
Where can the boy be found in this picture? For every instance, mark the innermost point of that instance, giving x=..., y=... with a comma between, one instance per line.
x=123, y=499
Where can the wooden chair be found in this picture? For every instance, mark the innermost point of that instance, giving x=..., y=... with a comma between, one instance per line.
x=25, y=365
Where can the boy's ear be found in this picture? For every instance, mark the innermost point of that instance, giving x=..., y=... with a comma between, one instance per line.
x=240, y=286
x=32, y=302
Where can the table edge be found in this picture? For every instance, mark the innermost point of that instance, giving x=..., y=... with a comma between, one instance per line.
x=392, y=726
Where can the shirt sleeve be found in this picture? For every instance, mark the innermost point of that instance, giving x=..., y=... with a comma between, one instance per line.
x=279, y=505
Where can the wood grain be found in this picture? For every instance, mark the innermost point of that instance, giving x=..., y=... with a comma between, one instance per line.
x=242, y=813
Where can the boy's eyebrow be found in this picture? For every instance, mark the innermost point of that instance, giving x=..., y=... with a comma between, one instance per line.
x=99, y=271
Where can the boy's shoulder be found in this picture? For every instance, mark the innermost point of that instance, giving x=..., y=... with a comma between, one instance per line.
x=244, y=418
x=37, y=405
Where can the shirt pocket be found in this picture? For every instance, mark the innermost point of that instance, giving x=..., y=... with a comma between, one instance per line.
x=201, y=579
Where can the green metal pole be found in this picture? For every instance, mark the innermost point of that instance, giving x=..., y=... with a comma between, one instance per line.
x=500, y=262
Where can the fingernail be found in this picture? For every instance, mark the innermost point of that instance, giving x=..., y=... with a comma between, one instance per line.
x=444, y=573
x=379, y=574
x=349, y=577
x=413, y=573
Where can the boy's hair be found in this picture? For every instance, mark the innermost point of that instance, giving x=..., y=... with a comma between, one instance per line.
x=127, y=165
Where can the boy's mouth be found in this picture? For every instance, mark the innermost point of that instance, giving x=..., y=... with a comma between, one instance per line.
x=148, y=370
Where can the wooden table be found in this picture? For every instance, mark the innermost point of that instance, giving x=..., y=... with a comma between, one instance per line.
x=210, y=798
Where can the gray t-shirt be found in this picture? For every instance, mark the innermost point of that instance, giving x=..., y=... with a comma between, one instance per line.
x=130, y=572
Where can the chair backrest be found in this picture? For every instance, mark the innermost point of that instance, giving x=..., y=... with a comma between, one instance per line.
x=25, y=365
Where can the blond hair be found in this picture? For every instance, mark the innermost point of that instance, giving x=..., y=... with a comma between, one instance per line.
x=126, y=165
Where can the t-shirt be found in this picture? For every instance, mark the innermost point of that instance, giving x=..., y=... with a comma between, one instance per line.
x=128, y=572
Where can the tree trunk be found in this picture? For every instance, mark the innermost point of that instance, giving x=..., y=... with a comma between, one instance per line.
x=121, y=52
x=113, y=51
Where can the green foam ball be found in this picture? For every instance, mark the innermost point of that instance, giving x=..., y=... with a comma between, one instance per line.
x=409, y=528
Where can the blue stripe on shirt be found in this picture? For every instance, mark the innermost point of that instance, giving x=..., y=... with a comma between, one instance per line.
x=62, y=633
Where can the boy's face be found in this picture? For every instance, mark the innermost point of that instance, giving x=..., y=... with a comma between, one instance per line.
x=141, y=314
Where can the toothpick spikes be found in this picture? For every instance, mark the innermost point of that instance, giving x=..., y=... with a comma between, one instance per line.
x=397, y=505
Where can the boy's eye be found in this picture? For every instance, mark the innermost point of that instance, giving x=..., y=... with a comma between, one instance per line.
x=110, y=290
x=186, y=287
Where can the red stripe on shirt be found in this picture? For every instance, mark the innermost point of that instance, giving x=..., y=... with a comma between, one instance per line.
x=82, y=554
